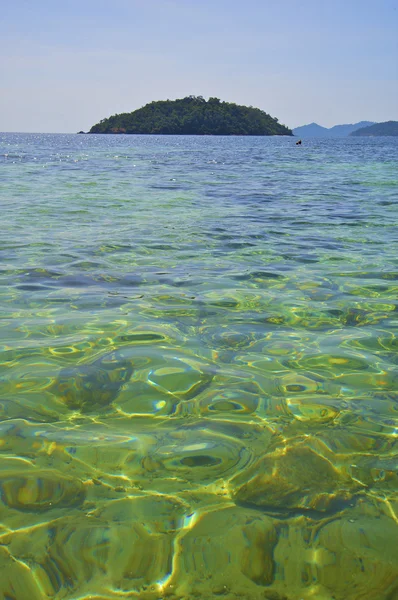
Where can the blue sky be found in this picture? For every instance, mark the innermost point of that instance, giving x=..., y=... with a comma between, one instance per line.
x=66, y=65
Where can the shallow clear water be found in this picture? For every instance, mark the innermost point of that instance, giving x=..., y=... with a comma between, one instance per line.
x=198, y=368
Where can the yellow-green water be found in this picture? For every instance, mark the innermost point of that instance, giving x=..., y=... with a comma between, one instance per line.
x=198, y=368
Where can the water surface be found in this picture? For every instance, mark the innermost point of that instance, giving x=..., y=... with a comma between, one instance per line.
x=198, y=368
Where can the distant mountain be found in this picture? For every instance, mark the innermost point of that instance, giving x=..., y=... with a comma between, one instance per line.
x=315, y=130
x=311, y=130
x=344, y=130
x=387, y=128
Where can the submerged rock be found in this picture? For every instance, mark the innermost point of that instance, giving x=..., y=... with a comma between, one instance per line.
x=75, y=556
x=226, y=553
x=294, y=477
x=92, y=386
x=17, y=581
x=34, y=491
x=351, y=556
x=361, y=559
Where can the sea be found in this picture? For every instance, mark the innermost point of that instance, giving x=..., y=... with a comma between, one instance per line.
x=198, y=368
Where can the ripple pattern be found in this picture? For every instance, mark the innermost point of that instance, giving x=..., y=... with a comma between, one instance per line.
x=198, y=368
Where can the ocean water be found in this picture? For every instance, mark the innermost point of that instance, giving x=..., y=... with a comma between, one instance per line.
x=198, y=368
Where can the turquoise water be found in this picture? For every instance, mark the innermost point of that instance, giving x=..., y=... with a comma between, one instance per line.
x=198, y=368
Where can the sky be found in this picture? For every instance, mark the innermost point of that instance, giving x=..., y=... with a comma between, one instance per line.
x=66, y=65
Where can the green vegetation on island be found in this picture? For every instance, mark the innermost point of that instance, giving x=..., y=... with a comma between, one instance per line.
x=386, y=128
x=193, y=116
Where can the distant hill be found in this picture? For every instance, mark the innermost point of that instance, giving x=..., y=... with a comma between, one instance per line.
x=387, y=128
x=311, y=130
x=315, y=130
x=193, y=116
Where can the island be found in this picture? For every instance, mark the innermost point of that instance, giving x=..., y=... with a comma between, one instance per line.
x=386, y=128
x=193, y=115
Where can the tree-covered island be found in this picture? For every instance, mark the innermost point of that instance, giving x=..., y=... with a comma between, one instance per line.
x=193, y=116
x=378, y=129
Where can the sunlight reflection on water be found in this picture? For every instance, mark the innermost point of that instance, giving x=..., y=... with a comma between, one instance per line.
x=198, y=357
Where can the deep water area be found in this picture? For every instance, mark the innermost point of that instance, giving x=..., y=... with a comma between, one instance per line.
x=198, y=368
